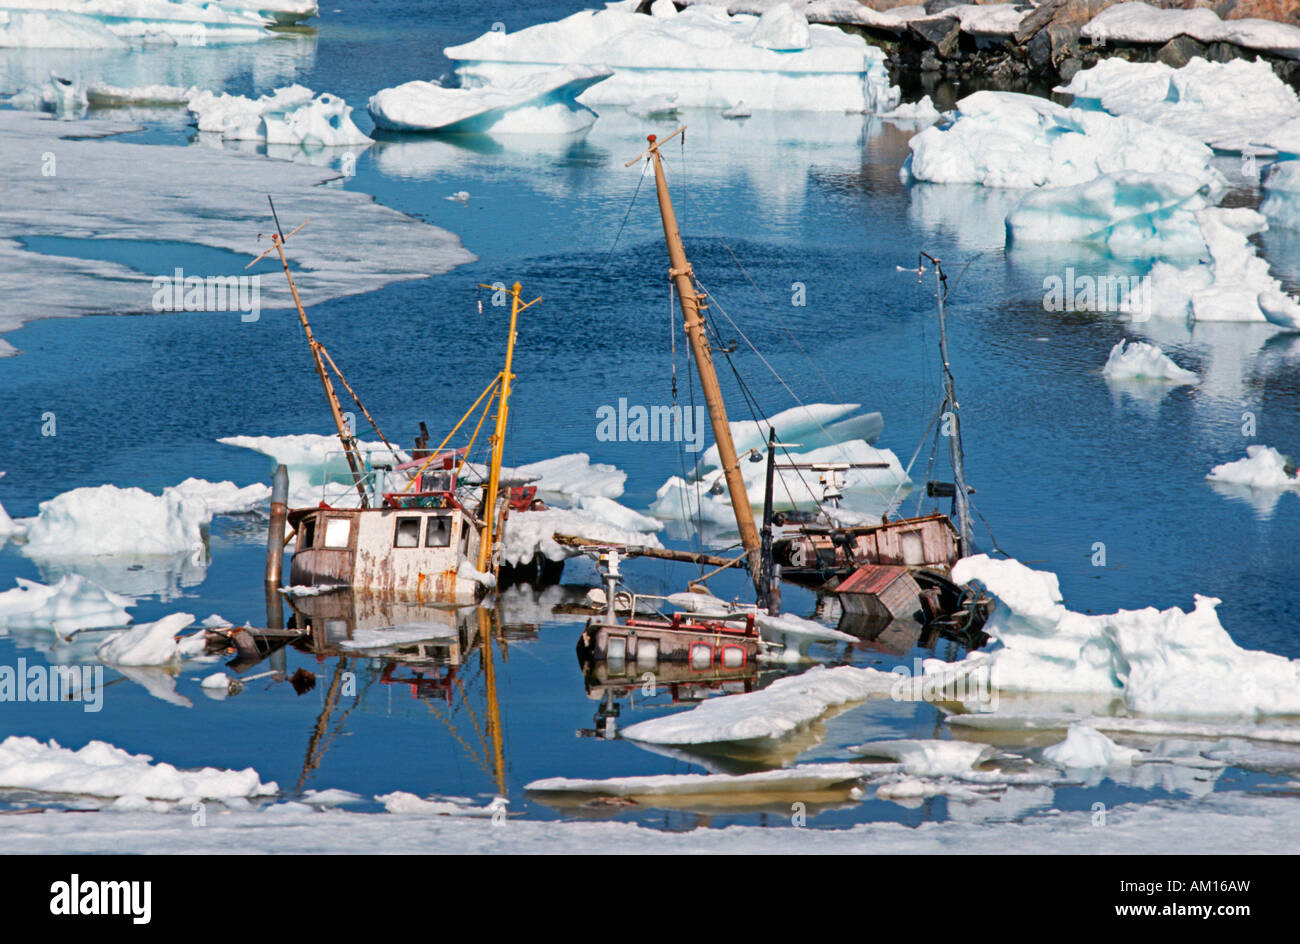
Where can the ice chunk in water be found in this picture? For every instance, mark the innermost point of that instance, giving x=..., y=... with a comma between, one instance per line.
x=1262, y=468
x=290, y=115
x=70, y=604
x=1087, y=747
x=540, y=103
x=1138, y=360
x=153, y=643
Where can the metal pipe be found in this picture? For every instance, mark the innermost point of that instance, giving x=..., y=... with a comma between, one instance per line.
x=275, y=532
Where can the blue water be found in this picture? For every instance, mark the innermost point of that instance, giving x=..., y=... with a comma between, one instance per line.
x=1059, y=460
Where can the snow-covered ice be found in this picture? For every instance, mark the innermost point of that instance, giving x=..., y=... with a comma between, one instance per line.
x=533, y=532
x=104, y=94
x=1159, y=662
x=1142, y=23
x=920, y=112
x=811, y=426
x=102, y=770
x=293, y=115
x=1281, y=202
x=85, y=23
x=710, y=59
x=1138, y=360
x=70, y=604
x=409, y=804
x=1008, y=139
x=540, y=103
x=1237, y=105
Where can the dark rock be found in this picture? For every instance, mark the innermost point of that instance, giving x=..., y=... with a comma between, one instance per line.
x=1179, y=50
x=941, y=32
x=1226, y=52
x=1068, y=67
x=938, y=6
x=1040, y=50
x=930, y=62
x=1035, y=21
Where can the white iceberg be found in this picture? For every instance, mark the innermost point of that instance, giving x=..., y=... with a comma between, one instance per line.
x=280, y=12
x=409, y=804
x=1007, y=139
x=152, y=644
x=1138, y=360
x=1232, y=106
x=54, y=29
x=103, y=94
x=1234, y=285
x=62, y=97
x=314, y=460
x=809, y=426
x=709, y=58
x=541, y=103
x=1128, y=214
x=1159, y=662
x=293, y=115
x=1263, y=468
x=76, y=23
x=70, y=604
x=920, y=112
x=708, y=497
x=102, y=770
x=571, y=476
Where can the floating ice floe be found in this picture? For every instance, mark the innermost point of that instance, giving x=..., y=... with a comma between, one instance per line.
x=1281, y=202
x=353, y=244
x=1263, y=468
x=1087, y=747
x=1138, y=360
x=541, y=103
x=313, y=460
x=1134, y=22
x=772, y=713
x=929, y=758
x=218, y=686
x=1007, y=139
x=410, y=804
x=1159, y=662
x=1232, y=106
x=70, y=604
x=801, y=778
x=661, y=105
x=792, y=488
x=710, y=59
x=920, y=112
x=1147, y=727
x=810, y=426
x=737, y=110
x=107, y=520
x=1128, y=213
x=64, y=98
x=1234, y=285
x=151, y=644
x=293, y=115
x=95, y=23
x=102, y=770
x=572, y=476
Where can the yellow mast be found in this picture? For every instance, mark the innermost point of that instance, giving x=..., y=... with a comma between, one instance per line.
x=499, y=436
x=681, y=273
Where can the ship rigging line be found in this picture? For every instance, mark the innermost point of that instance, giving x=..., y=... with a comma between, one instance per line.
x=626, y=215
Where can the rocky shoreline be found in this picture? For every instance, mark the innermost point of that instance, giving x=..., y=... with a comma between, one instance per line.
x=1048, y=42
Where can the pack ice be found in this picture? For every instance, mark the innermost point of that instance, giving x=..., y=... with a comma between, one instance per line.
x=703, y=55
x=539, y=103
x=1232, y=106
x=72, y=603
x=1263, y=468
x=353, y=244
x=1158, y=662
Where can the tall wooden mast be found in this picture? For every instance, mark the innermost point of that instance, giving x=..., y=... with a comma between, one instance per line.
x=681, y=273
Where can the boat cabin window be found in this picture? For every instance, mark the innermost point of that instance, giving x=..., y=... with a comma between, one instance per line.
x=307, y=533
x=408, y=533
x=337, y=532
x=438, y=533
x=436, y=481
